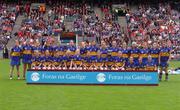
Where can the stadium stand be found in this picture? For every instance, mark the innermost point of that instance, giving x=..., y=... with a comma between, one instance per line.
x=144, y=23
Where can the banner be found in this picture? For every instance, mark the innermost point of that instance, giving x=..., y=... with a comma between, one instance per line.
x=92, y=77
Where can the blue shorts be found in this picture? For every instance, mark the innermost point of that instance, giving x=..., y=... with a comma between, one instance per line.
x=15, y=63
x=164, y=64
x=25, y=61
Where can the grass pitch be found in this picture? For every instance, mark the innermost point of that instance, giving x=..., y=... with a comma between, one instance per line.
x=16, y=95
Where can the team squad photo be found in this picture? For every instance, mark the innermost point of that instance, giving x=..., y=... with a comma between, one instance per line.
x=89, y=54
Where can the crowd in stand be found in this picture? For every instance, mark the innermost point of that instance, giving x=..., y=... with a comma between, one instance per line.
x=67, y=8
x=8, y=14
x=154, y=24
x=146, y=24
x=106, y=29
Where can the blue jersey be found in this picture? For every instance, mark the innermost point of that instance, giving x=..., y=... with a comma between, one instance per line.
x=114, y=51
x=154, y=52
x=125, y=54
x=141, y=65
x=92, y=50
x=135, y=54
x=130, y=66
x=119, y=61
x=56, y=60
x=38, y=49
x=144, y=54
x=61, y=50
x=164, y=56
x=77, y=59
x=83, y=51
x=104, y=53
x=49, y=48
x=72, y=50
x=36, y=59
x=27, y=53
x=151, y=66
x=48, y=59
x=15, y=56
x=66, y=59
x=42, y=59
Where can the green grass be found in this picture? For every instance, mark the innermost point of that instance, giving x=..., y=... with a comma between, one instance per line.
x=16, y=95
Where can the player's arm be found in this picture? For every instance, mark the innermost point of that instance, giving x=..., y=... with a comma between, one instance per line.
x=170, y=55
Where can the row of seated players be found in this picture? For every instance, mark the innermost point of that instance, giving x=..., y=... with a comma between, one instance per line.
x=92, y=57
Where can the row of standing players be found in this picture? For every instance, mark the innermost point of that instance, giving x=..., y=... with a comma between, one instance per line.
x=90, y=57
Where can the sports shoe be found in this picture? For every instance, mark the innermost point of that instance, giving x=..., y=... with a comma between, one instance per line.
x=10, y=78
x=18, y=78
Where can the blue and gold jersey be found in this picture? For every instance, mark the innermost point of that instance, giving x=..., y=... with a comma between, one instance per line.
x=104, y=52
x=83, y=51
x=143, y=53
x=72, y=50
x=154, y=52
x=141, y=65
x=164, y=54
x=125, y=54
x=56, y=60
x=42, y=59
x=92, y=50
x=77, y=59
x=119, y=61
x=49, y=48
x=114, y=51
x=38, y=49
x=36, y=59
x=48, y=59
x=16, y=53
x=61, y=50
x=130, y=66
x=135, y=54
x=151, y=66
x=27, y=51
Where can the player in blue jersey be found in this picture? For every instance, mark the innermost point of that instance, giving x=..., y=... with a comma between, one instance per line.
x=164, y=57
x=42, y=59
x=92, y=53
x=83, y=53
x=37, y=48
x=27, y=51
x=56, y=61
x=154, y=52
x=36, y=61
x=103, y=53
x=151, y=65
x=144, y=52
x=48, y=60
x=119, y=62
x=15, y=56
x=125, y=52
x=48, y=47
x=76, y=62
x=114, y=53
x=134, y=52
x=130, y=64
x=141, y=65
x=71, y=49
